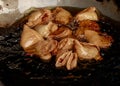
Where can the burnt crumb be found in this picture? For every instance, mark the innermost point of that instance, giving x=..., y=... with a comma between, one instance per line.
x=7, y=4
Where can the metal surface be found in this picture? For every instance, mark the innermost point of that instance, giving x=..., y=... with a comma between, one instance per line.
x=11, y=10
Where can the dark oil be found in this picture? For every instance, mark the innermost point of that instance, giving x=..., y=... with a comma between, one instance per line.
x=14, y=62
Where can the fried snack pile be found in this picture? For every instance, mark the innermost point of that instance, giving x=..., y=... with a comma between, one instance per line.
x=47, y=33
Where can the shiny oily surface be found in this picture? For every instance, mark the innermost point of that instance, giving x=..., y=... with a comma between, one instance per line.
x=16, y=65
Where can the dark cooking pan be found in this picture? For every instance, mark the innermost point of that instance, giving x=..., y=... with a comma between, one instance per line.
x=18, y=69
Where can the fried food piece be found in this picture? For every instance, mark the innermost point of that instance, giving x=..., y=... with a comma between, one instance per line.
x=33, y=43
x=29, y=38
x=72, y=61
x=62, y=59
x=67, y=59
x=86, y=25
x=46, y=29
x=65, y=54
x=87, y=51
x=89, y=24
x=99, y=39
x=66, y=44
x=41, y=16
x=61, y=16
x=87, y=14
x=61, y=33
x=44, y=49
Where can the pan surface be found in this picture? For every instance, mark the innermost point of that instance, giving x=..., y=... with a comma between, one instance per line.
x=18, y=69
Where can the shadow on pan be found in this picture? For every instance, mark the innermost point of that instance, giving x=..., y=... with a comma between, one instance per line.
x=18, y=69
